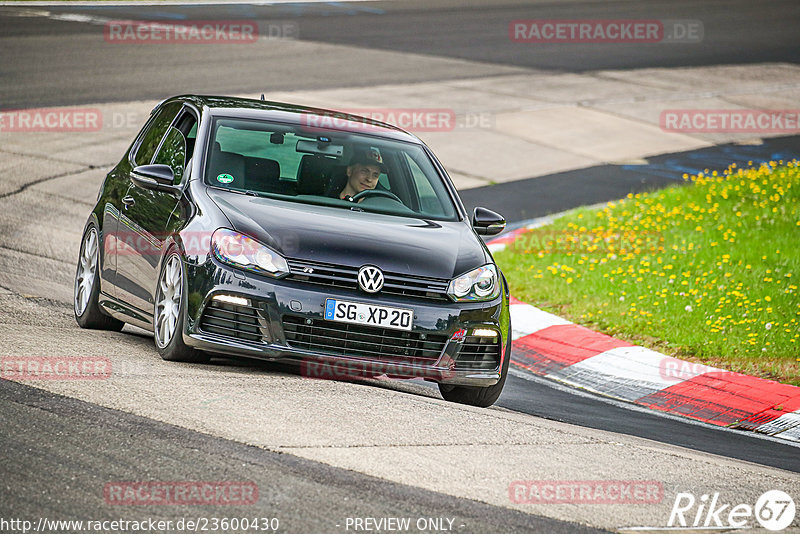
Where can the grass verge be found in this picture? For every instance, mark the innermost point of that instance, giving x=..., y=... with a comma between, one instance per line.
x=706, y=272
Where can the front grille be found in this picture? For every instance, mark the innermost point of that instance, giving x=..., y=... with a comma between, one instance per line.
x=479, y=354
x=347, y=277
x=344, y=339
x=235, y=321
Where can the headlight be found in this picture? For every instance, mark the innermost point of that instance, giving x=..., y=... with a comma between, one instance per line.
x=244, y=252
x=478, y=284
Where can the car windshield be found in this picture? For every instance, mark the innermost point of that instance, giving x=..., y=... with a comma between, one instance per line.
x=329, y=167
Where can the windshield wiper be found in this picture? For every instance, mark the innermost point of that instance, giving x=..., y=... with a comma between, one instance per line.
x=248, y=192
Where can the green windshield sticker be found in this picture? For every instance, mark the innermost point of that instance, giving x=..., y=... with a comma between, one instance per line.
x=225, y=178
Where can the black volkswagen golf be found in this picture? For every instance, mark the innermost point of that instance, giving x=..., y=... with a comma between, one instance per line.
x=280, y=232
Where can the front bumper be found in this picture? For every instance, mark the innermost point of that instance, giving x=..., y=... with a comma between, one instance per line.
x=277, y=309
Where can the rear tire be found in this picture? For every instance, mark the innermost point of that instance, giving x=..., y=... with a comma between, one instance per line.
x=483, y=397
x=86, y=293
x=168, y=316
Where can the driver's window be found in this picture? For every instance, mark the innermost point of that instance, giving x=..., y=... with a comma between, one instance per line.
x=191, y=139
x=173, y=153
x=151, y=138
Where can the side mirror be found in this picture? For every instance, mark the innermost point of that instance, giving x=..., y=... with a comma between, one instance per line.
x=155, y=178
x=487, y=222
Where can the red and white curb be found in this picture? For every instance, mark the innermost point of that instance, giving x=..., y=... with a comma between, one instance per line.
x=549, y=346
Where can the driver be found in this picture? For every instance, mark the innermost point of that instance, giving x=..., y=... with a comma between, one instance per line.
x=362, y=174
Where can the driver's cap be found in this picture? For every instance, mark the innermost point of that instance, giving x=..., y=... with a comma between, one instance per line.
x=363, y=157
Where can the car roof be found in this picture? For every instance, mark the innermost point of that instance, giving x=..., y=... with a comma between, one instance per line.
x=266, y=110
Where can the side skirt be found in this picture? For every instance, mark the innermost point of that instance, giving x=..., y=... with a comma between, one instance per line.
x=124, y=312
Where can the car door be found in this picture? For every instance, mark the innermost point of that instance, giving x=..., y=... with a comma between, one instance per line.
x=114, y=188
x=146, y=215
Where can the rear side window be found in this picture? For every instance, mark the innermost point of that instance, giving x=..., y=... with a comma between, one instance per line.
x=155, y=132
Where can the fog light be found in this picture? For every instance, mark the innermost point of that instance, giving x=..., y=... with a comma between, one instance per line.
x=484, y=332
x=230, y=299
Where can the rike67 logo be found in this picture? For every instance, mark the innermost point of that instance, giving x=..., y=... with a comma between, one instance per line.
x=774, y=510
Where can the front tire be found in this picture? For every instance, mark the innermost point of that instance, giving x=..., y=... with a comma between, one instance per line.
x=169, y=313
x=483, y=397
x=87, y=286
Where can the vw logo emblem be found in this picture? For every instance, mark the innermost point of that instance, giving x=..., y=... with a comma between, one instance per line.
x=370, y=279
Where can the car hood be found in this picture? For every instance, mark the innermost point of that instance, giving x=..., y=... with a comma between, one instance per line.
x=420, y=247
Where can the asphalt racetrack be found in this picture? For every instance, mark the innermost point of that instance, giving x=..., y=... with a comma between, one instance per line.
x=323, y=453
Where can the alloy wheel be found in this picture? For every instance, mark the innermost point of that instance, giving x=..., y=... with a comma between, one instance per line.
x=168, y=301
x=87, y=272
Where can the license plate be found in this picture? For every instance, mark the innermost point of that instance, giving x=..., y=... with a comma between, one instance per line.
x=368, y=314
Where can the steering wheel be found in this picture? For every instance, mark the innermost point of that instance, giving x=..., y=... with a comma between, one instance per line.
x=376, y=193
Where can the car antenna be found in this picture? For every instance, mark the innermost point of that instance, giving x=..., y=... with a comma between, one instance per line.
x=262, y=96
